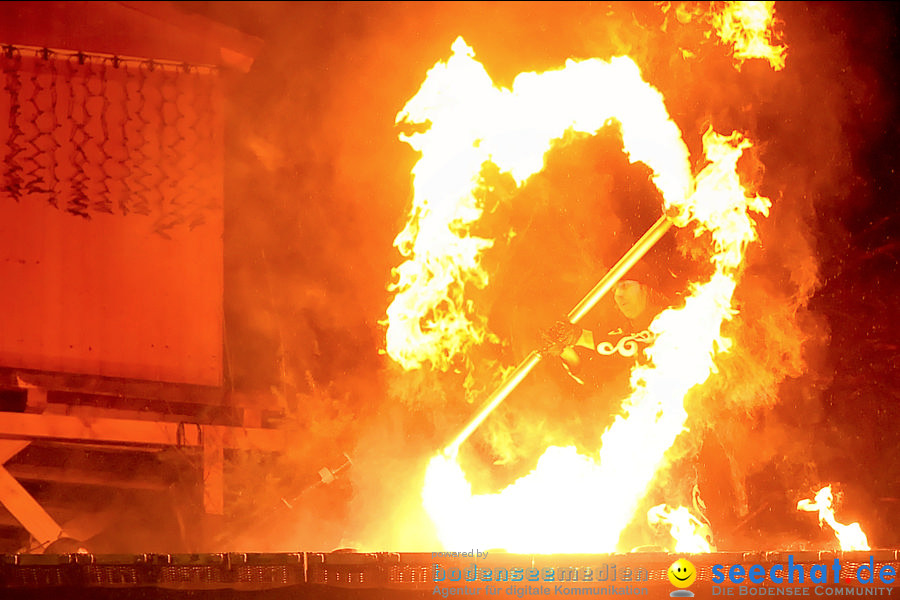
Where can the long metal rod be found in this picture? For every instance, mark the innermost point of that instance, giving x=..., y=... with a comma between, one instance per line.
x=628, y=260
x=509, y=384
x=512, y=381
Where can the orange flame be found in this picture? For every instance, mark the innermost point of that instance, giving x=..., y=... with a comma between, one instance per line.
x=747, y=26
x=850, y=537
x=689, y=533
x=473, y=122
x=514, y=128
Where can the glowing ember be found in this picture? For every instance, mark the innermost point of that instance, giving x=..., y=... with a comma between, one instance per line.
x=514, y=128
x=850, y=537
x=689, y=533
x=747, y=26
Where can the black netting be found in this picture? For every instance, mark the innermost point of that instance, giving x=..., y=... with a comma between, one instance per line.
x=93, y=134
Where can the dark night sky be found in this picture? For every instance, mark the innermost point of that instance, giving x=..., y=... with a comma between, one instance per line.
x=318, y=184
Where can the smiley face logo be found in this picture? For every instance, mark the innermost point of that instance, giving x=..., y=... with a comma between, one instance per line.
x=682, y=573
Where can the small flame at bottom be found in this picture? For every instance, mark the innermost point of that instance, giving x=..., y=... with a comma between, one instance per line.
x=690, y=534
x=850, y=537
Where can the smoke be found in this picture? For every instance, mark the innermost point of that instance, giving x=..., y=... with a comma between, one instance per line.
x=318, y=186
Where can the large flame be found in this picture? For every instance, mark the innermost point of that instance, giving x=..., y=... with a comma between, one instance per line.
x=850, y=537
x=747, y=27
x=472, y=122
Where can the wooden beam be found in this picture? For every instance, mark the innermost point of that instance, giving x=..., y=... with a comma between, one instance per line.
x=37, y=400
x=62, y=512
x=27, y=511
x=9, y=448
x=88, y=412
x=82, y=477
x=133, y=432
x=112, y=386
x=252, y=418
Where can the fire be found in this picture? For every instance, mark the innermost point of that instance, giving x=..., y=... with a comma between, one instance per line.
x=689, y=533
x=747, y=26
x=850, y=537
x=472, y=122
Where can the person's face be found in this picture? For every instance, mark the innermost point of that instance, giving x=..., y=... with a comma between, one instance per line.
x=631, y=298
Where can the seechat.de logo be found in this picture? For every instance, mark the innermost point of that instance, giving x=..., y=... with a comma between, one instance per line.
x=682, y=574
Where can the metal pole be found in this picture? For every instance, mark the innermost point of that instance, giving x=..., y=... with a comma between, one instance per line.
x=628, y=260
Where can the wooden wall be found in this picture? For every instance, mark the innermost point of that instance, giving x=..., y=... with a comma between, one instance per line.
x=111, y=192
